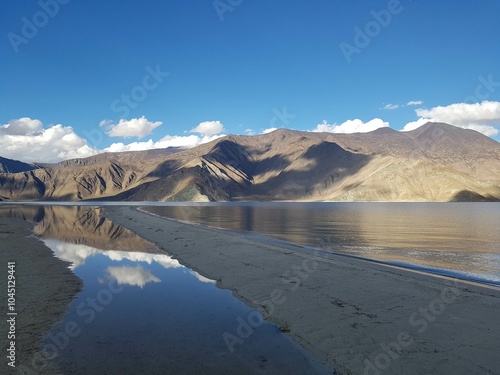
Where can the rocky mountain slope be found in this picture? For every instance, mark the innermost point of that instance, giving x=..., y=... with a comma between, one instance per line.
x=14, y=166
x=436, y=162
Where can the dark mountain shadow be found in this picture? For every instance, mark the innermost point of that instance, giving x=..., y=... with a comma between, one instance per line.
x=14, y=166
x=331, y=165
x=165, y=168
x=137, y=193
x=471, y=196
x=274, y=163
x=238, y=167
x=232, y=167
x=25, y=183
x=232, y=154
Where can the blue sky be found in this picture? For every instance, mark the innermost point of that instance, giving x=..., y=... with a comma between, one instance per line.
x=239, y=67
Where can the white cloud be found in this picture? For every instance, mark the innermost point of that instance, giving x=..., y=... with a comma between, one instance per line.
x=27, y=140
x=185, y=141
x=351, y=126
x=134, y=146
x=249, y=132
x=208, y=128
x=268, y=130
x=415, y=102
x=22, y=126
x=136, y=127
x=135, y=276
x=416, y=124
x=167, y=141
x=391, y=107
x=482, y=117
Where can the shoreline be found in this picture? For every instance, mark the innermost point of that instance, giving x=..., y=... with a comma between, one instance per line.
x=345, y=311
x=45, y=287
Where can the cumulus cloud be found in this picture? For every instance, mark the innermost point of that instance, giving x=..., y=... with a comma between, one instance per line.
x=208, y=128
x=134, y=276
x=22, y=126
x=27, y=140
x=167, y=141
x=482, y=117
x=416, y=124
x=351, y=126
x=268, y=130
x=415, y=102
x=136, y=127
x=391, y=106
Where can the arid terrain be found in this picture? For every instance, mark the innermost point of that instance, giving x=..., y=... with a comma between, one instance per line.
x=436, y=162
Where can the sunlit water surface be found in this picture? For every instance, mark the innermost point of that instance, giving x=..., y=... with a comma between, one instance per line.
x=459, y=239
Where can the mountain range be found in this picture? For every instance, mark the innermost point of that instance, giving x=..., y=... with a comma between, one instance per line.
x=436, y=162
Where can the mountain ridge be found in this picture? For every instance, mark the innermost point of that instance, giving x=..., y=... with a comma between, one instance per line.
x=436, y=162
x=14, y=166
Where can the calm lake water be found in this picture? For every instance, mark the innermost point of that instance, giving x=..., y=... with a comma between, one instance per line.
x=459, y=239
x=142, y=312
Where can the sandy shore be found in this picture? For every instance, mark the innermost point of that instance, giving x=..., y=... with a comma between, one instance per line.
x=359, y=317
x=45, y=287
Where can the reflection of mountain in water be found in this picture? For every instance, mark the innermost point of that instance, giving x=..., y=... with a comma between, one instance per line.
x=454, y=237
x=80, y=225
x=76, y=233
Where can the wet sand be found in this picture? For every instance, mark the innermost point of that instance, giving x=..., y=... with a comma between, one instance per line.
x=45, y=286
x=357, y=316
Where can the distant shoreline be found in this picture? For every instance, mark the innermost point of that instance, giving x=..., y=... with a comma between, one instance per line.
x=342, y=309
x=188, y=203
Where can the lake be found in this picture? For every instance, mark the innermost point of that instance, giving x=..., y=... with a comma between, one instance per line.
x=457, y=239
x=141, y=311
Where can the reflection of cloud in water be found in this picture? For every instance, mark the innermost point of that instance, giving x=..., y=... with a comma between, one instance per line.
x=203, y=279
x=135, y=276
x=165, y=260
x=77, y=254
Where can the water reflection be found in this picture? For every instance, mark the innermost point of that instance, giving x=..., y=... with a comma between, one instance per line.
x=79, y=225
x=76, y=233
x=459, y=238
x=159, y=317
x=135, y=276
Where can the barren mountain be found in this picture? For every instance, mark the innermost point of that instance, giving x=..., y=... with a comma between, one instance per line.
x=14, y=166
x=436, y=162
